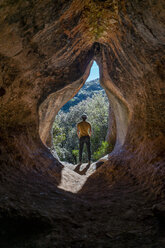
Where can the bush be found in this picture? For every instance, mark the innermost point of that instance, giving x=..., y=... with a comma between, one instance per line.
x=65, y=132
x=104, y=149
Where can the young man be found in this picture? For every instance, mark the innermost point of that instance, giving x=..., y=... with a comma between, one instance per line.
x=84, y=132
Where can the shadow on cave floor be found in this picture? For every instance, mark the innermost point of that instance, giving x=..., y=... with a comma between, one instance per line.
x=108, y=209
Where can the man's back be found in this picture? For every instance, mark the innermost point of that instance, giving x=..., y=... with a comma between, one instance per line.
x=84, y=128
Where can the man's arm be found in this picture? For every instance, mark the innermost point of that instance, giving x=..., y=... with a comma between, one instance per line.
x=90, y=131
x=78, y=132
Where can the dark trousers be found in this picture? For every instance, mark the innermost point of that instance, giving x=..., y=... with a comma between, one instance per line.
x=86, y=140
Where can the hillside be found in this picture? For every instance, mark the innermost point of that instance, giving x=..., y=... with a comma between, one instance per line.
x=88, y=90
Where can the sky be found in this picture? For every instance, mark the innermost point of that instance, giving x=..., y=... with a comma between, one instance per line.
x=94, y=73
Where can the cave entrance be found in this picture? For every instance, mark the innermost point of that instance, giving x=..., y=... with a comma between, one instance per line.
x=70, y=84
x=92, y=100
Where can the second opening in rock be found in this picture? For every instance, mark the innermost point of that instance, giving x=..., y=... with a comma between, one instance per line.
x=91, y=100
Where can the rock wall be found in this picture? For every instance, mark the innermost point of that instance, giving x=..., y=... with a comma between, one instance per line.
x=46, y=50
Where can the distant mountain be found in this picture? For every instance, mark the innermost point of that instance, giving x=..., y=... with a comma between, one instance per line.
x=88, y=90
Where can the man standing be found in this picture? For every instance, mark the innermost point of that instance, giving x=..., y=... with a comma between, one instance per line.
x=84, y=132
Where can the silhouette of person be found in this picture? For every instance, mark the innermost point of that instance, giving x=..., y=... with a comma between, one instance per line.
x=84, y=132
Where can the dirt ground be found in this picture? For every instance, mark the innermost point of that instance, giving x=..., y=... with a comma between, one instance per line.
x=114, y=213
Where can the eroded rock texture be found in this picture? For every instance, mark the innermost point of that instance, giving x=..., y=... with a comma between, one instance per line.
x=46, y=51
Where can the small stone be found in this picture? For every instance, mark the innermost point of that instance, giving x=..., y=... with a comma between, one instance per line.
x=129, y=214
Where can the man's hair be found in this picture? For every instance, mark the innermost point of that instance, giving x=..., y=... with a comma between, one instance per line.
x=84, y=117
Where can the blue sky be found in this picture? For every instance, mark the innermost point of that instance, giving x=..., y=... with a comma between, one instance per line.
x=94, y=73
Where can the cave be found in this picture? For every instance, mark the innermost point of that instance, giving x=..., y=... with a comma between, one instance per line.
x=46, y=52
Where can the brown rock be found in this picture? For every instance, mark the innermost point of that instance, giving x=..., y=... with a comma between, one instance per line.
x=46, y=51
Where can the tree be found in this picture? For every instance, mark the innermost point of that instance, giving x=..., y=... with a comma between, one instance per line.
x=64, y=129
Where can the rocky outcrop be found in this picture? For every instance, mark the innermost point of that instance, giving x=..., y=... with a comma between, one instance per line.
x=46, y=51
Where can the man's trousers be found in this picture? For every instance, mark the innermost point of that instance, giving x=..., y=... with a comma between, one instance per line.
x=84, y=140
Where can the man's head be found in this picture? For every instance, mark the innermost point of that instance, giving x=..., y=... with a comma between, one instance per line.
x=84, y=117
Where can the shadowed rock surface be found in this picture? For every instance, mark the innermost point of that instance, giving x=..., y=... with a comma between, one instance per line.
x=46, y=51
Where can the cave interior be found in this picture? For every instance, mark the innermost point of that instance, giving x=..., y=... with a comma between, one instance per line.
x=46, y=51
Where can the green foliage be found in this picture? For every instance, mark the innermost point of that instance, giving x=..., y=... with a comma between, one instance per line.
x=65, y=139
x=58, y=138
x=75, y=155
x=75, y=152
x=88, y=90
x=102, y=150
x=58, y=134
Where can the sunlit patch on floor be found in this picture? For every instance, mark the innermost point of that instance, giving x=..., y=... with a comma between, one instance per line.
x=71, y=180
x=73, y=177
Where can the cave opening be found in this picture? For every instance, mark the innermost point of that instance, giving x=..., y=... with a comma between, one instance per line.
x=114, y=129
x=118, y=112
x=92, y=100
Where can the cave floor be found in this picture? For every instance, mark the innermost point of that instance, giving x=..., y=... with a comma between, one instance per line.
x=112, y=215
